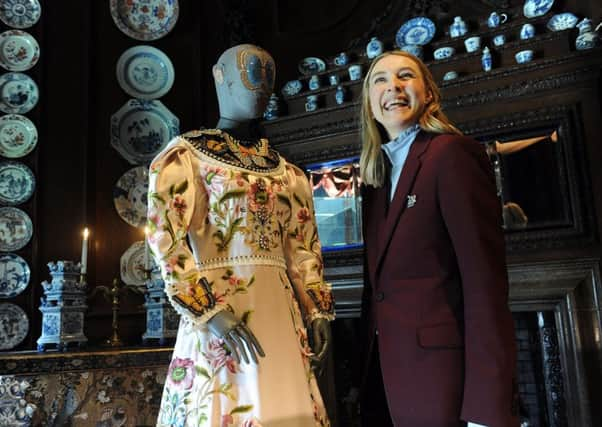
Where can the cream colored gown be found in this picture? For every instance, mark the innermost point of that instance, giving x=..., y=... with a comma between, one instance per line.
x=248, y=216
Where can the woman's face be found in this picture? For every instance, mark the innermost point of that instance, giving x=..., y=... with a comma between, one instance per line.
x=397, y=93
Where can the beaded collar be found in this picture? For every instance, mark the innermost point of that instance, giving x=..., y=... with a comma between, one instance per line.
x=254, y=155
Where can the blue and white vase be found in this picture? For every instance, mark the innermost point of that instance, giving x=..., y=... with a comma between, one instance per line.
x=527, y=31
x=587, y=38
x=458, y=27
x=374, y=48
x=339, y=95
x=314, y=82
x=486, y=60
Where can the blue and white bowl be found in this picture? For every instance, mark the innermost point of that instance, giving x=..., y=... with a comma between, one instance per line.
x=527, y=31
x=524, y=56
x=414, y=49
x=450, y=75
x=292, y=88
x=444, y=52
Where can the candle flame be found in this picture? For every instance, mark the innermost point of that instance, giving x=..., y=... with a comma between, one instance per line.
x=146, y=230
x=86, y=233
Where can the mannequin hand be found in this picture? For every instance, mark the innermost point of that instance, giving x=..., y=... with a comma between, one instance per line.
x=322, y=338
x=236, y=335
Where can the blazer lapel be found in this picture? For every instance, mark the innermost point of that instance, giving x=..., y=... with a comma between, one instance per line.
x=404, y=186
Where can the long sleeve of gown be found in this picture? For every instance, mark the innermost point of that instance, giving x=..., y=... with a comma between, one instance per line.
x=174, y=196
x=303, y=251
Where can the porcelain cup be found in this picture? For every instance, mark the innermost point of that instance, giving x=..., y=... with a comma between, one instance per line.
x=524, y=56
x=499, y=40
x=472, y=43
x=450, y=75
x=355, y=72
x=334, y=79
x=495, y=19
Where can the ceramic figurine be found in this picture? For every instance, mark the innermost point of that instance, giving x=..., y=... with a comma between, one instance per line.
x=587, y=38
x=486, y=60
x=374, y=48
x=271, y=111
x=457, y=28
x=339, y=95
x=499, y=40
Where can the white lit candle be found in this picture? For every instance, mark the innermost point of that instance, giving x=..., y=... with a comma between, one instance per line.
x=84, y=260
x=147, y=266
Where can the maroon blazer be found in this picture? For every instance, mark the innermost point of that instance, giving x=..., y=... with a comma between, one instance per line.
x=436, y=289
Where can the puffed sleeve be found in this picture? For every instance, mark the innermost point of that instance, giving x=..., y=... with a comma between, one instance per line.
x=175, y=200
x=303, y=250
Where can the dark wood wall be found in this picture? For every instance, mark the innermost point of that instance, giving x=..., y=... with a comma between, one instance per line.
x=75, y=166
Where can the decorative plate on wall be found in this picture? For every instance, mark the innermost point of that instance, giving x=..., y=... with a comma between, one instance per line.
x=129, y=196
x=14, y=275
x=145, y=72
x=18, y=93
x=17, y=183
x=19, y=51
x=16, y=229
x=14, y=325
x=18, y=136
x=20, y=13
x=148, y=20
x=140, y=129
x=132, y=265
x=562, y=21
x=535, y=8
x=419, y=30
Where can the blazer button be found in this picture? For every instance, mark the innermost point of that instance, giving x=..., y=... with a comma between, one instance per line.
x=380, y=296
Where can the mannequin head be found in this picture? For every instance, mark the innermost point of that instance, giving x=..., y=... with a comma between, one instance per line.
x=244, y=80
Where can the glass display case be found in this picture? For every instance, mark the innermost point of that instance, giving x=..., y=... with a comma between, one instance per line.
x=337, y=202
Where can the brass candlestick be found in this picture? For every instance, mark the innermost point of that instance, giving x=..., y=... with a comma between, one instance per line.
x=112, y=295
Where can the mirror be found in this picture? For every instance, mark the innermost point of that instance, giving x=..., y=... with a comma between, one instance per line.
x=530, y=178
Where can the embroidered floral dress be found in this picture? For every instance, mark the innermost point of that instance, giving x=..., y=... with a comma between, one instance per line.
x=248, y=217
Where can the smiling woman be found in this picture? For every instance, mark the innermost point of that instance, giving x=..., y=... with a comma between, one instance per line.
x=439, y=338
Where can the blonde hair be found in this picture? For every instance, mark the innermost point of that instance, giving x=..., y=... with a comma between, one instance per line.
x=432, y=119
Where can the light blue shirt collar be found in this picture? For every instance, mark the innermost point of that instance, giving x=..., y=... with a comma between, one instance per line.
x=397, y=151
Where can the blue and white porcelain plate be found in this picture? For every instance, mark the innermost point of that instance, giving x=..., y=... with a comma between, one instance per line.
x=16, y=229
x=129, y=196
x=562, y=21
x=145, y=20
x=535, y=8
x=17, y=183
x=20, y=13
x=19, y=51
x=292, y=88
x=144, y=72
x=18, y=93
x=311, y=65
x=18, y=136
x=419, y=30
x=14, y=325
x=14, y=275
x=140, y=129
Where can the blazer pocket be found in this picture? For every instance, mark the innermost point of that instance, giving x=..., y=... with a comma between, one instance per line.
x=441, y=336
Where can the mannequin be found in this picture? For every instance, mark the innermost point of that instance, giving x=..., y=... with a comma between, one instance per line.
x=232, y=229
